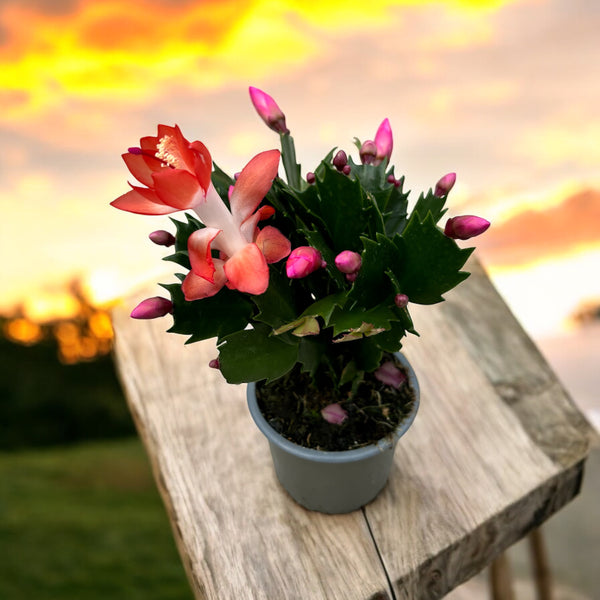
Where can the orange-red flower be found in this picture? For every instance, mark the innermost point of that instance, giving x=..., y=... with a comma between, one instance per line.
x=177, y=176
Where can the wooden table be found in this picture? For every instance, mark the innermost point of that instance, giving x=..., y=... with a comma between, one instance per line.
x=496, y=449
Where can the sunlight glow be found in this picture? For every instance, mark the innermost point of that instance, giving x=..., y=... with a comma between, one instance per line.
x=23, y=331
x=543, y=294
x=49, y=306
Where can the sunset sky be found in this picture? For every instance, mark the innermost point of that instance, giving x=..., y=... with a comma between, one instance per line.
x=505, y=93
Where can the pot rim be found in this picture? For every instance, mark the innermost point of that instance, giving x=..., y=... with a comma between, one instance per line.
x=336, y=456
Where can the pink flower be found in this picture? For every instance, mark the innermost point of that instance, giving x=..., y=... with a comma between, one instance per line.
x=348, y=262
x=465, y=227
x=389, y=374
x=334, y=414
x=445, y=184
x=245, y=250
x=268, y=110
x=340, y=160
x=384, y=142
x=401, y=300
x=368, y=152
x=162, y=238
x=303, y=261
x=151, y=308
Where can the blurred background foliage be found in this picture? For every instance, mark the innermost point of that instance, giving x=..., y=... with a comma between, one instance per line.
x=80, y=516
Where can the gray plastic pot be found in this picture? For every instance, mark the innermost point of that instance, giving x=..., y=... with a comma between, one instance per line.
x=333, y=482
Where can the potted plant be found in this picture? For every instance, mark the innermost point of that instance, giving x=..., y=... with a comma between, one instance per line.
x=306, y=283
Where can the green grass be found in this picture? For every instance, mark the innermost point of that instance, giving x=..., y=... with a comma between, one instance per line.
x=85, y=522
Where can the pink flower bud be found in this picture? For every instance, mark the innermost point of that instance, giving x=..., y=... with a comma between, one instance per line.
x=162, y=238
x=340, y=160
x=401, y=300
x=334, y=414
x=310, y=178
x=303, y=261
x=347, y=170
x=384, y=142
x=368, y=152
x=268, y=110
x=389, y=374
x=351, y=277
x=214, y=364
x=348, y=261
x=465, y=227
x=151, y=308
x=445, y=184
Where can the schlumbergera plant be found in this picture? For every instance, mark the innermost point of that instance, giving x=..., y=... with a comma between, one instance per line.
x=312, y=275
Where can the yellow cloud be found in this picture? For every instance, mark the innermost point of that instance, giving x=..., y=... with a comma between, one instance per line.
x=571, y=139
x=130, y=52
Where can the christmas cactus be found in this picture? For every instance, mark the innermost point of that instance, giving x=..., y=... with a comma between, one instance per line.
x=315, y=274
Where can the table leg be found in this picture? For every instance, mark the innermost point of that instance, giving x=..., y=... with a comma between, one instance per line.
x=541, y=567
x=501, y=579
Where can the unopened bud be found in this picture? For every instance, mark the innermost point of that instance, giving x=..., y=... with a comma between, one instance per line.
x=151, y=308
x=310, y=178
x=389, y=374
x=348, y=261
x=368, y=152
x=465, y=227
x=346, y=170
x=214, y=364
x=334, y=414
x=445, y=184
x=401, y=300
x=384, y=142
x=340, y=160
x=303, y=261
x=162, y=238
x=268, y=110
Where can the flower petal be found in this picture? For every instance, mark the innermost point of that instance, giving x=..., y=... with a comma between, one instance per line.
x=202, y=163
x=141, y=202
x=273, y=244
x=247, y=270
x=195, y=287
x=200, y=252
x=252, y=185
x=142, y=166
x=177, y=188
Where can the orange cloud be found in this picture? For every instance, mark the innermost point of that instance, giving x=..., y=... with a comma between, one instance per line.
x=130, y=52
x=535, y=235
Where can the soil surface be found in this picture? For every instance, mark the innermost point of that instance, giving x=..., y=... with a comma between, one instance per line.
x=292, y=406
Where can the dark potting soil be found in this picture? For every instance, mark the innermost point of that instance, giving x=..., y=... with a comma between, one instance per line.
x=292, y=405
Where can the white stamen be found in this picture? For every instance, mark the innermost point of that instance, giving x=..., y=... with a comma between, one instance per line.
x=166, y=151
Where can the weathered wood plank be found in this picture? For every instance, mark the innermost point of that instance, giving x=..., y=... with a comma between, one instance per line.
x=475, y=473
x=239, y=534
x=496, y=449
x=520, y=374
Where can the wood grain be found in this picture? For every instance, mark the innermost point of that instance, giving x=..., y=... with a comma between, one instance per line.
x=496, y=449
x=239, y=534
